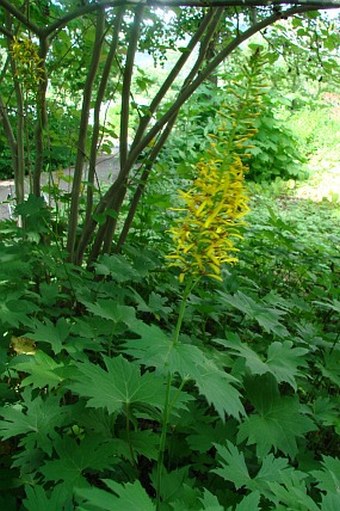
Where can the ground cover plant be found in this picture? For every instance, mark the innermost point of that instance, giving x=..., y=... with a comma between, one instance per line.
x=175, y=347
x=162, y=379
x=248, y=419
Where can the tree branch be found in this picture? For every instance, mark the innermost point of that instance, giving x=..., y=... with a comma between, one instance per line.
x=114, y=192
x=96, y=124
x=206, y=21
x=11, y=9
x=19, y=155
x=89, y=8
x=41, y=120
x=141, y=187
x=126, y=88
x=78, y=169
x=110, y=222
x=8, y=129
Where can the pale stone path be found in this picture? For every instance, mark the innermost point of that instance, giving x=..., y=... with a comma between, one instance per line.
x=106, y=169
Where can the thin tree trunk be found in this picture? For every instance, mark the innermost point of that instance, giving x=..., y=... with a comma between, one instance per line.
x=162, y=139
x=115, y=196
x=8, y=131
x=41, y=121
x=106, y=232
x=19, y=157
x=142, y=184
x=96, y=124
x=78, y=170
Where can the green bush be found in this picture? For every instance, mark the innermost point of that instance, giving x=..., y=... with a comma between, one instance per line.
x=317, y=127
x=60, y=141
x=101, y=410
x=277, y=151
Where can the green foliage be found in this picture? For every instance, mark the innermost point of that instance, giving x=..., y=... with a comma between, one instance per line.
x=277, y=150
x=62, y=141
x=117, y=393
x=250, y=410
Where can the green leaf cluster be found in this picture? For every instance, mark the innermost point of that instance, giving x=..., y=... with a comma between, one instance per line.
x=242, y=405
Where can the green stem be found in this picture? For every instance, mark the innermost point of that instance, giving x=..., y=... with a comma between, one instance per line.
x=166, y=415
x=128, y=436
x=168, y=406
x=188, y=288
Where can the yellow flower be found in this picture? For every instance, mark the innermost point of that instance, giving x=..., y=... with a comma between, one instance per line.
x=29, y=66
x=204, y=236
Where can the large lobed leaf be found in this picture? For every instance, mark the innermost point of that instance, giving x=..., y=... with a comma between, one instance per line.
x=155, y=349
x=119, y=385
x=283, y=360
x=278, y=420
x=127, y=497
x=36, y=419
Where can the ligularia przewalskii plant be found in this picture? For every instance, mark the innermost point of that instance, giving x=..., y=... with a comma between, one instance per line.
x=204, y=236
x=213, y=210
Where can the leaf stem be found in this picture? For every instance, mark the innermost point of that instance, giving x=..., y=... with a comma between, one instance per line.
x=168, y=406
x=188, y=288
x=162, y=442
x=128, y=436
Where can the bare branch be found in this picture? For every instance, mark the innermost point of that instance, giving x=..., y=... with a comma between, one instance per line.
x=78, y=170
x=11, y=9
x=96, y=123
x=126, y=88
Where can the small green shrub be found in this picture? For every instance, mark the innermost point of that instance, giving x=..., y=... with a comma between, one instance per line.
x=277, y=151
x=250, y=411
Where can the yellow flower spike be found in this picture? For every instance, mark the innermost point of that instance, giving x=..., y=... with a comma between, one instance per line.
x=204, y=238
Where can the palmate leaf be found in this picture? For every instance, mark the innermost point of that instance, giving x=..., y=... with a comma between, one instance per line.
x=292, y=496
x=176, y=488
x=43, y=371
x=278, y=420
x=118, y=268
x=143, y=442
x=330, y=366
x=55, y=335
x=274, y=480
x=329, y=476
x=38, y=500
x=14, y=311
x=250, y=502
x=120, y=385
x=126, y=497
x=35, y=419
x=326, y=412
x=210, y=502
x=283, y=360
x=330, y=502
x=234, y=467
x=157, y=350
x=111, y=310
x=92, y=453
x=267, y=317
x=155, y=305
x=275, y=469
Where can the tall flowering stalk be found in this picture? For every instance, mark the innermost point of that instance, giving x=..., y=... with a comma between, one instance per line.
x=213, y=208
